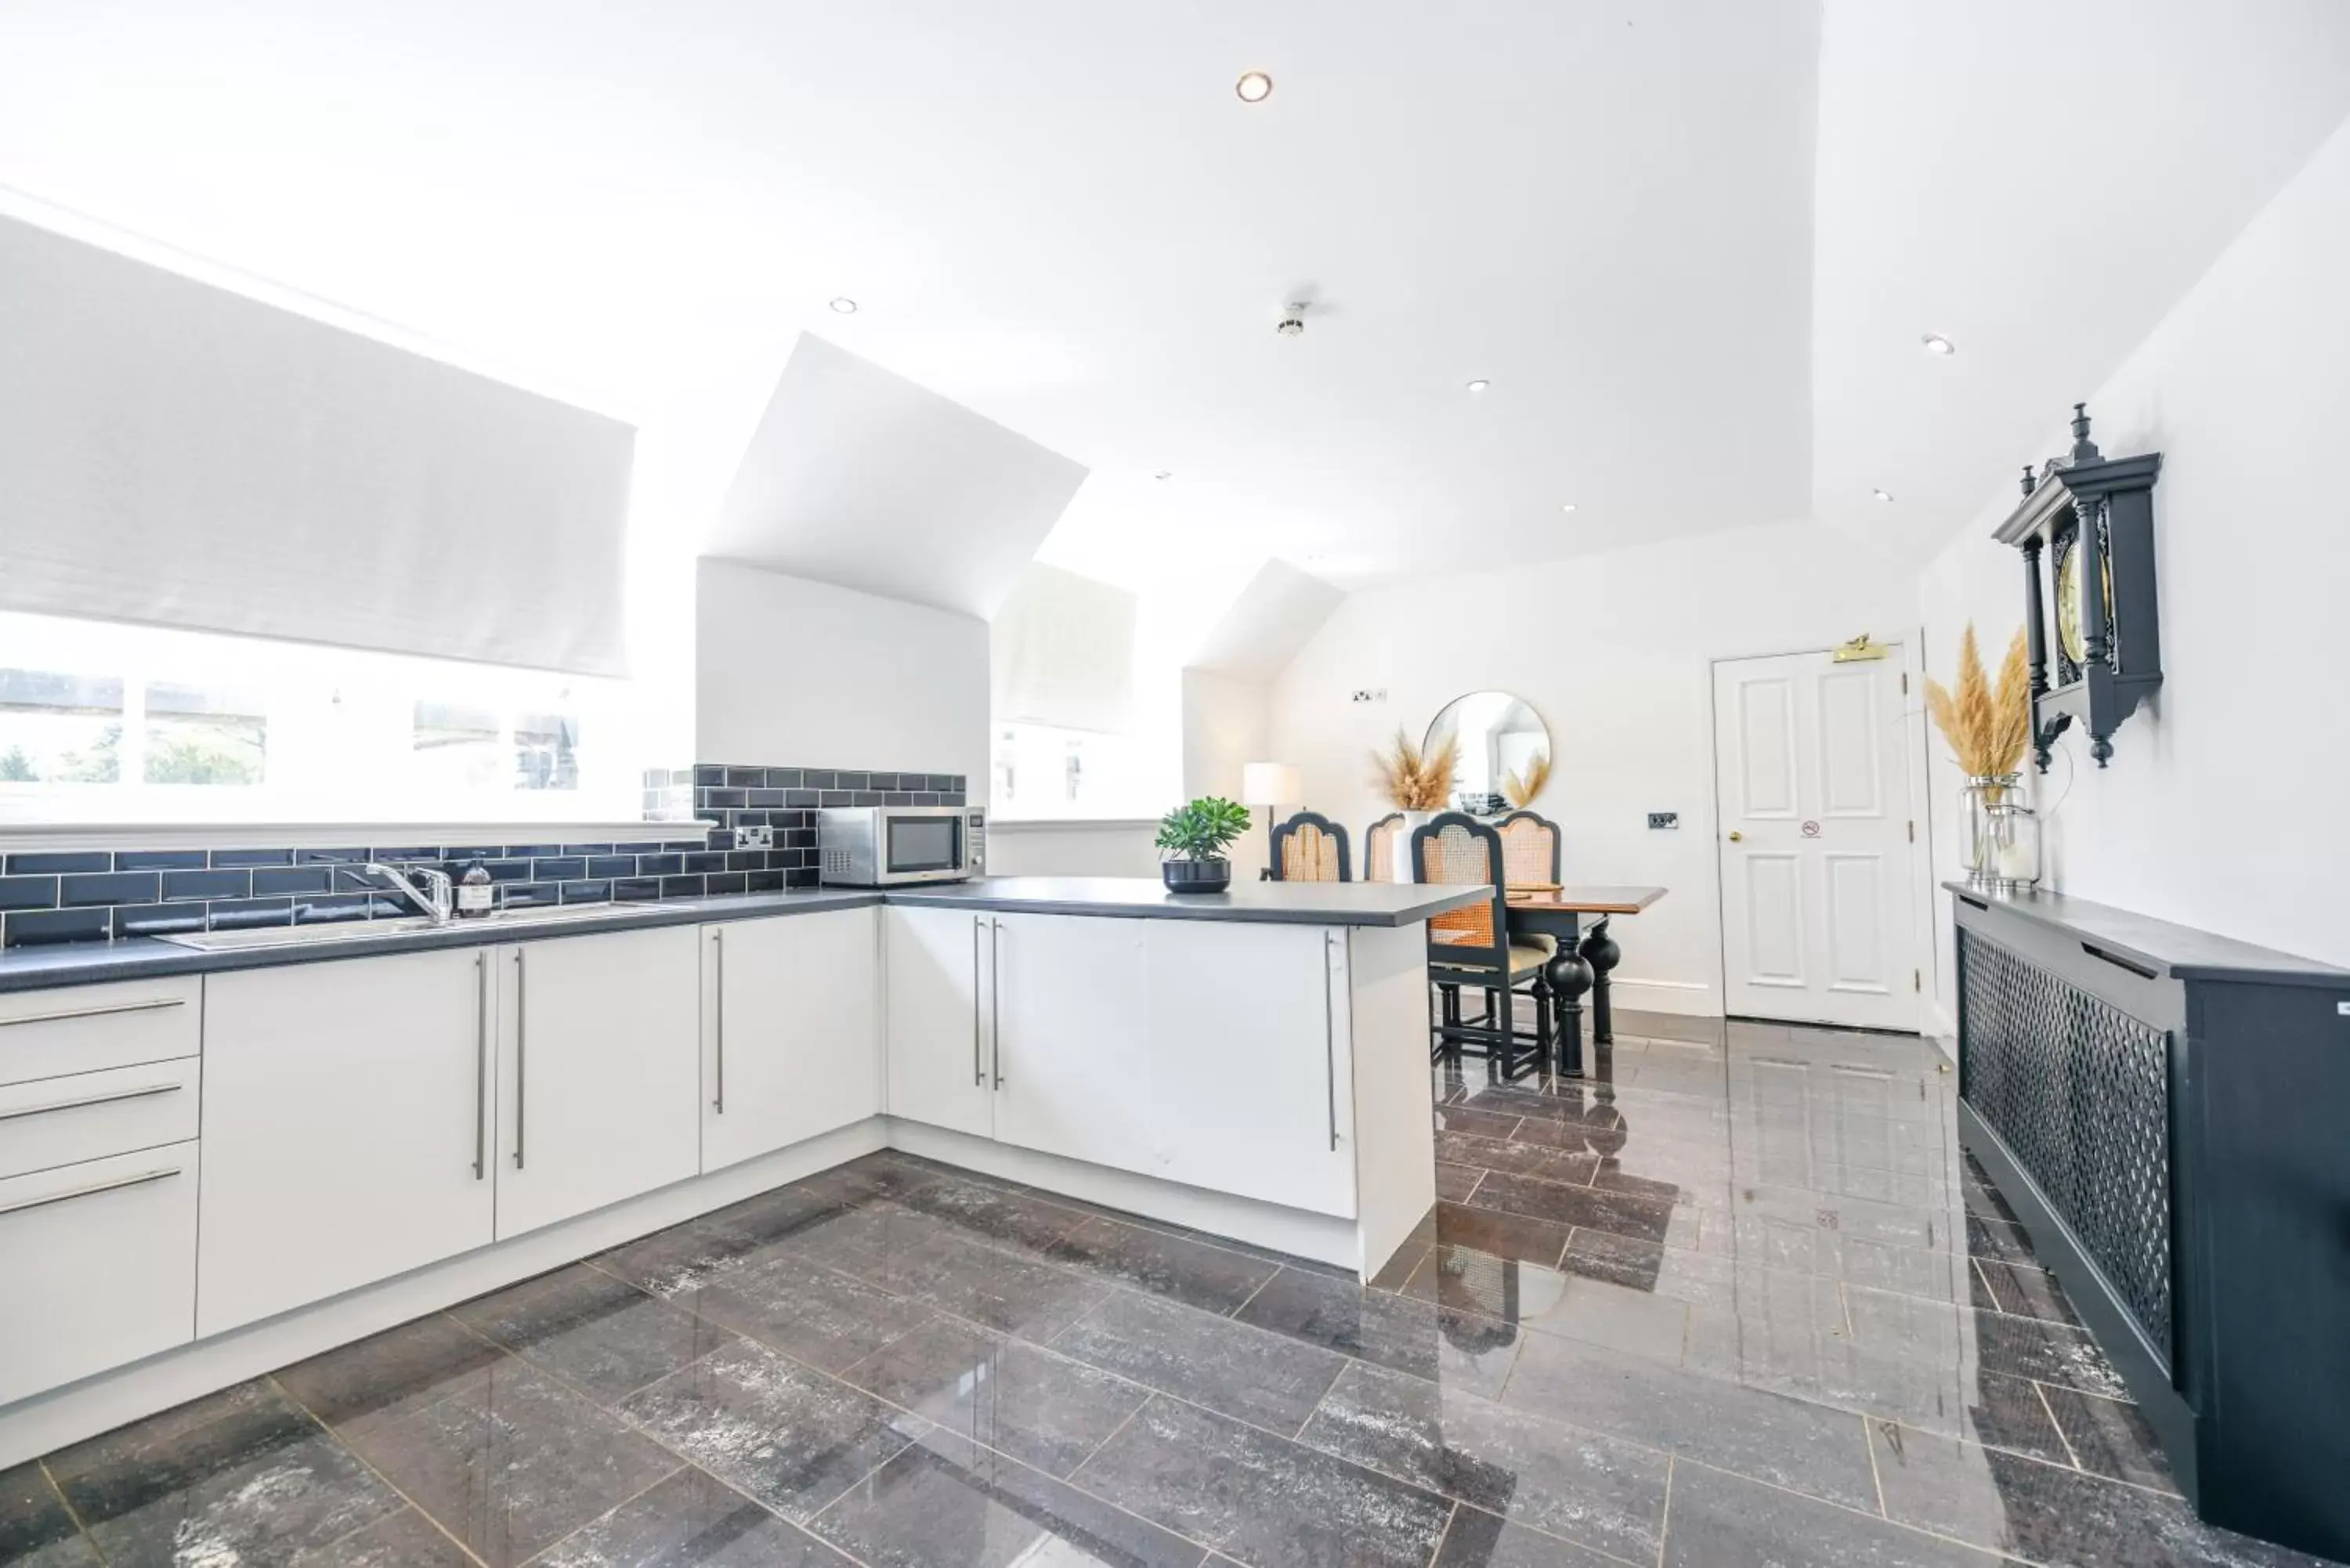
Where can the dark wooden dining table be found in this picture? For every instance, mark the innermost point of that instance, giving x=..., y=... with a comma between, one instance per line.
x=1584, y=957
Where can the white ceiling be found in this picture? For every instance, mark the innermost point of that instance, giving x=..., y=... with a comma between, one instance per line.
x=1691, y=243
x=861, y=478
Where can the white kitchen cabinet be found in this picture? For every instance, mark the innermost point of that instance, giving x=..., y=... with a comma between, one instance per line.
x=939, y=993
x=99, y=1266
x=791, y=1023
x=1069, y=1068
x=348, y=1109
x=599, y=1079
x=1248, y=1062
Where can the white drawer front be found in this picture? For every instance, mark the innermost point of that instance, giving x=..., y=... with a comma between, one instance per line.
x=86, y=1028
x=88, y=1115
x=101, y=1266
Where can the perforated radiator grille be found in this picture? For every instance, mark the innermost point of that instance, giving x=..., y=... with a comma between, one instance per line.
x=2080, y=1093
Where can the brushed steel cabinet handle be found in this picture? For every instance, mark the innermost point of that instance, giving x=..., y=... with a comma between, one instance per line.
x=978, y=1074
x=481, y=1065
x=107, y=1099
x=92, y=1191
x=995, y=993
x=150, y=1006
x=521, y=1034
x=717, y=940
x=1330, y=1036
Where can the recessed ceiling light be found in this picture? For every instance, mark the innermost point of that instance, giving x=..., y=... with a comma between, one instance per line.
x=1882, y=494
x=844, y=305
x=1566, y=506
x=1254, y=87
x=1480, y=384
x=1937, y=343
x=1164, y=473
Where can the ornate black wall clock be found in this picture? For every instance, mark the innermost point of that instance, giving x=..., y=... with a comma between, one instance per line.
x=2090, y=519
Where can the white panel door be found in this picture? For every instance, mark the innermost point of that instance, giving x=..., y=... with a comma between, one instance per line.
x=1819, y=857
x=347, y=1108
x=791, y=1026
x=1248, y=1065
x=1070, y=1066
x=599, y=1071
x=935, y=1018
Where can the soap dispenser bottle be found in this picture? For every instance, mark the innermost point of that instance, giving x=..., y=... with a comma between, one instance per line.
x=476, y=893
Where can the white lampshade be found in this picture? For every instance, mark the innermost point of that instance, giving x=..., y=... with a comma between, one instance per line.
x=1270, y=784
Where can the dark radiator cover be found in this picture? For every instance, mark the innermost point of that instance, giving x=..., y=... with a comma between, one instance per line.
x=2169, y=1111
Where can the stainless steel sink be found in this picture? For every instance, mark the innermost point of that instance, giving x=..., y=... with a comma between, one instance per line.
x=353, y=931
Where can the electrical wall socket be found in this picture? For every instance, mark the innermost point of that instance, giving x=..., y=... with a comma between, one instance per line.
x=1664, y=819
x=761, y=838
x=1367, y=695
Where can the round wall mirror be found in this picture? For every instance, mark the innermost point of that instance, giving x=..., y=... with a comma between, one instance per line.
x=1504, y=751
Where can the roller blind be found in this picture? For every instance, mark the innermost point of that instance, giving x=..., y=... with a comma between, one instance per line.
x=175, y=454
x=1062, y=653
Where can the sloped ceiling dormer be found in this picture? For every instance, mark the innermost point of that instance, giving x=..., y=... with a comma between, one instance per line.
x=859, y=477
x=1277, y=612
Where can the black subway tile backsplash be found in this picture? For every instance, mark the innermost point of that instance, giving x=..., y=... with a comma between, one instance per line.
x=31, y=927
x=562, y=870
x=107, y=887
x=206, y=885
x=302, y=880
x=240, y=914
x=158, y=860
x=728, y=882
x=229, y=858
x=330, y=857
x=29, y=892
x=50, y=863
x=155, y=919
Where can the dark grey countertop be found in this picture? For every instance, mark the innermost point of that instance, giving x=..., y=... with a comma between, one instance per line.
x=1278, y=903
x=1334, y=904
x=2157, y=946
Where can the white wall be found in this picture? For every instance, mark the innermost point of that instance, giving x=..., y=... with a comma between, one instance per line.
x=793, y=672
x=1071, y=849
x=1614, y=651
x=1227, y=724
x=2221, y=808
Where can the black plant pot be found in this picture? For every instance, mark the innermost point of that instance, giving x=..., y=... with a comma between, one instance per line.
x=1196, y=875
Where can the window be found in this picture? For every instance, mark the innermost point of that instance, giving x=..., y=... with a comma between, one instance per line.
x=117, y=723
x=1042, y=771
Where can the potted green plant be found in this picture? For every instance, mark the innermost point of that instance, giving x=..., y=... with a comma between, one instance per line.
x=1192, y=844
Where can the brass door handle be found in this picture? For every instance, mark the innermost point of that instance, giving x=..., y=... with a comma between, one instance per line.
x=1736, y=836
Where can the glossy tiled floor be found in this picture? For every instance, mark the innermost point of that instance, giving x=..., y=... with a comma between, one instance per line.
x=1736, y=1300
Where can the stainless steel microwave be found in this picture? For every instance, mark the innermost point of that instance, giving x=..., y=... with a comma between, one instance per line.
x=879, y=846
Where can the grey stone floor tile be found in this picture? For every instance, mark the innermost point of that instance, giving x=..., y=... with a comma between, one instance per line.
x=2110, y=1438
x=808, y=1310
x=779, y=1432
x=2047, y=1514
x=1720, y=1521
x=1418, y=1338
x=1503, y=1235
x=690, y=1520
x=1021, y=1222
x=944, y=1501
x=35, y=1529
x=513, y=1464
x=1785, y=1442
x=1552, y=1301
x=245, y=1476
x=1582, y=1486
x=1503, y=1153
x=1642, y=1217
x=1457, y=1183
x=360, y=1385
x=1181, y=1268
x=404, y=1540
x=1044, y=1409
x=1233, y=1367
x=675, y=1263
x=1476, y=1539
x=603, y=1337
x=1262, y=1499
x=2026, y=1291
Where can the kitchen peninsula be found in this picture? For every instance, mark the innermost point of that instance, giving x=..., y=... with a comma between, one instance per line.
x=274, y=1148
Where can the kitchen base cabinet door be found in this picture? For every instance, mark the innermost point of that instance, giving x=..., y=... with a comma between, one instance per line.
x=1248, y=1065
x=599, y=1071
x=98, y=1266
x=1069, y=1062
x=347, y=1114
x=792, y=1026
x=937, y=993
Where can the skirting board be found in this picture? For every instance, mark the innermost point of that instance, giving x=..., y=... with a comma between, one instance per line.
x=1689, y=998
x=1322, y=1237
x=101, y=1402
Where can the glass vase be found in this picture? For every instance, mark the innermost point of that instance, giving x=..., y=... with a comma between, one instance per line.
x=1998, y=842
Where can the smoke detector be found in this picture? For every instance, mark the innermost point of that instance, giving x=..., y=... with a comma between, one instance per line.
x=1292, y=319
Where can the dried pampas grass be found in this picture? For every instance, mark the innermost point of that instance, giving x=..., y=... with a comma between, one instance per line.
x=1413, y=781
x=1522, y=789
x=1988, y=726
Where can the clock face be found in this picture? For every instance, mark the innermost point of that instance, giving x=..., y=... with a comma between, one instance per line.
x=2068, y=607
